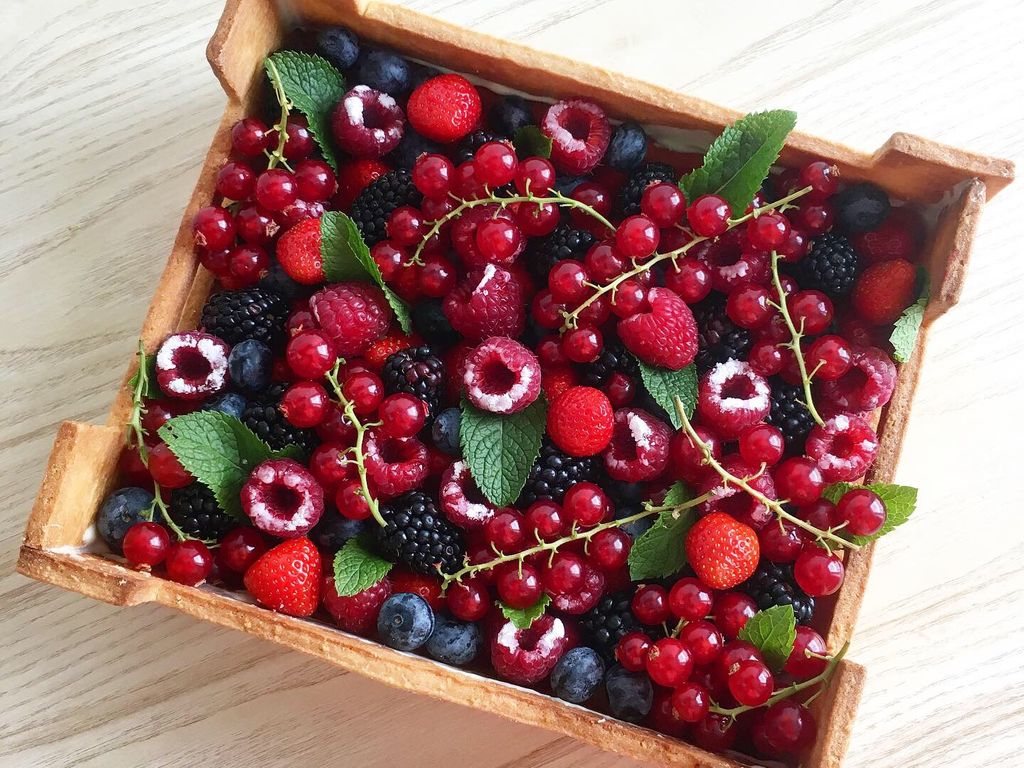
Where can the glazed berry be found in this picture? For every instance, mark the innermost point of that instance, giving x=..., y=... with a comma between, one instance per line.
x=166, y=469
x=709, y=215
x=828, y=358
x=637, y=237
x=818, y=572
x=749, y=306
x=496, y=164
x=405, y=621
x=276, y=189
x=188, y=562
x=146, y=544
x=609, y=549
x=722, y=551
x=844, y=448
x=690, y=702
x=690, y=599
x=631, y=651
x=580, y=421
x=663, y=203
x=761, y=444
x=732, y=611
x=454, y=642
x=367, y=123
x=499, y=240
x=527, y=656
x=664, y=336
x=799, y=480
x=582, y=345
x=811, y=311
x=862, y=510
x=236, y=181
x=240, y=548
x=650, y=604
x=535, y=175
x=751, y=683
x=630, y=694
x=577, y=675
x=192, y=365
x=781, y=543
x=703, y=639
x=768, y=232
x=432, y=175
x=579, y=133
x=351, y=501
x=310, y=355
x=806, y=659
x=669, y=662
x=639, y=447
x=505, y=531
x=364, y=390
x=468, y=600
x=213, y=228
x=250, y=137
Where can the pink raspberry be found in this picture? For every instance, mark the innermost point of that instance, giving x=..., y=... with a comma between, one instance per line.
x=395, y=465
x=527, y=656
x=356, y=613
x=666, y=335
x=282, y=498
x=580, y=135
x=844, y=448
x=501, y=376
x=352, y=315
x=866, y=386
x=735, y=501
x=463, y=234
x=192, y=365
x=367, y=123
x=733, y=263
x=577, y=603
x=732, y=397
x=487, y=302
x=639, y=447
x=461, y=500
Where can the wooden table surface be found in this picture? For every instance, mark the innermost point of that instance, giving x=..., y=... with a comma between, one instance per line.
x=108, y=109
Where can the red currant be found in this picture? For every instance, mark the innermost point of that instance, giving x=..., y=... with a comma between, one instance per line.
x=586, y=504
x=305, y=404
x=316, y=180
x=567, y=282
x=276, y=189
x=732, y=611
x=820, y=513
x=709, y=215
x=537, y=219
x=596, y=312
x=505, y=531
x=632, y=649
x=364, y=390
x=188, y=562
x=806, y=660
x=620, y=389
x=669, y=662
x=829, y=358
x=310, y=355
x=299, y=143
x=715, y=733
x=389, y=258
x=405, y=225
x=499, y=240
x=496, y=164
x=402, y=415
x=817, y=572
x=765, y=357
x=768, y=232
x=799, y=480
x=146, y=544
x=518, y=585
x=751, y=684
x=565, y=574
x=609, y=549
x=544, y=518
x=690, y=599
x=468, y=600
x=329, y=465
x=748, y=306
x=248, y=263
x=821, y=177
x=535, y=175
x=691, y=702
x=241, y=547
x=637, y=237
x=663, y=203
x=687, y=459
x=256, y=225
x=437, y=276
x=466, y=184
x=690, y=278
x=761, y=444
x=598, y=197
x=236, y=181
x=350, y=500
x=603, y=262
x=788, y=727
x=250, y=137
x=629, y=298
x=704, y=640
x=650, y=604
x=213, y=228
x=166, y=469
x=814, y=218
x=797, y=246
x=432, y=175
x=780, y=543
x=582, y=345
x=546, y=310
x=861, y=509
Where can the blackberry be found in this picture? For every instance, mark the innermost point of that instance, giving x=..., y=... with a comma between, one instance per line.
x=773, y=584
x=831, y=265
x=638, y=181
x=417, y=372
x=371, y=209
x=565, y=242
x=790, y=415
x=468, y=146
x=613, y=358
x=554, y=473
x=264, y=417
x=605, y=624
x=251, y=313
x=419, y=536
x=718, y=337
x=194, y=509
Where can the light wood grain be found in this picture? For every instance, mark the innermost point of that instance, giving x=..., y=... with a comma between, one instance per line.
x=110, y=108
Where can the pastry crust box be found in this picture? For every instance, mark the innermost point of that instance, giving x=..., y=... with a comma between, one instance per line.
x=951, y=183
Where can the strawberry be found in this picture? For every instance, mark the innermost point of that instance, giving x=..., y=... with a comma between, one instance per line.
x=897, y=238
x=298, y=250
x=354, y=177
x=884, y=290
x=722, y=551
x=444, y=108
x=379, y=351
x=287, y=578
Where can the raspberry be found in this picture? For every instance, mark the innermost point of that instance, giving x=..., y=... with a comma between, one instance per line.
x=844, y=448
x=192, y=365
x=773, y=585
x=464, y=236
x=444, y=108
x=722, y=551
x=352, y=315
x=355, y=613
x=733, y=397
x=418, y=536
x=379, y=351
x=354, y=177
x=884, y=290
x=897, y=238
x=583, y=599
x=639, y=446
x=282, y=498
x=736, y=502
x=298, y=250
x=502, y=376
x=194, y=509
x=427, y=587
x=461, y=500
x=580, y=134
x=527, y=656
x=395, y=465
x=580, y=422
x=666, y=335
x=287, y=578
x=367, y=123
x=487, y=302
x=866, y=386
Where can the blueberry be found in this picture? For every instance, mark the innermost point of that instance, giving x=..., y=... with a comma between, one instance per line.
x=120, y=511
x=510, y=114
x=383, y=71
x=445, y=431
x=625, y=492
x=429, y=321
x=249, y=365
x=230, y=403
x=410, y=147
x=630, y=694
x=628, y=147
x=338, y=45
x=455, y=642
x=333, y=530
x=405, y=621
x=277, y=280
x=577, y=675
x=638, y=527
x=566, y=184
x=861, y=208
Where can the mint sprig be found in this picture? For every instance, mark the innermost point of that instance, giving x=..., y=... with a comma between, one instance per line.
x=900, y=502
x=312, y=86
x=773, y=632
x=523, y=618
x=659, y=552
x=738, y=161
x=357, y=568
x=500, y=449
x=665, y=385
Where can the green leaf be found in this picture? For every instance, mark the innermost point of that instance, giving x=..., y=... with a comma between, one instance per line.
x=659, y=551
x=314, y=87
x=524, y=617
x=773, y=632
x=356, y=568
x=219, y=450
x=738, y=161
x=665, y=385
x=501, y=449
x=900, y=502
x=905, y=332
x=530, y=141
x=346, y=257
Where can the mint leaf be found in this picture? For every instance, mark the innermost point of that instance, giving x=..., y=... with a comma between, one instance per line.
x=905, y=331
x=738, y=161
x=356, y=568
x=676, y=495
x=659, y=551
x=900, y=502
x=314, y=87
x=530, y=141
x=665, y=385
x=346, y=257
x=501, y=449
x=772, y=632
x=219, y=450
x=524, y=617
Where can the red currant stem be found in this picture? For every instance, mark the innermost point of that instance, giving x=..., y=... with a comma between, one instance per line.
x=678, y=628
x=794, y=345
x=471, y=570
x=359, y=456
x=738, y=482
x=785, y=693
x=159, y=503
x=571, y=318
x=136, y=435
x=277, y=156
